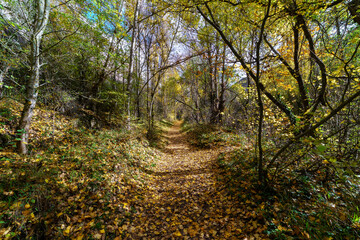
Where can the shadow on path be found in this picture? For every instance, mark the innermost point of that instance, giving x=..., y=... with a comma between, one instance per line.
x=184, y=199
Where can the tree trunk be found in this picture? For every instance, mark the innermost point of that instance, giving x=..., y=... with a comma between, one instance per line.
x=152, y=101
x=41, y=18
x=302, y=89
x=260, y=164
x=212, y=79
x=128, y=118
x=248, y=70
x=222, y=89
x=2, y=76
x=354, y=7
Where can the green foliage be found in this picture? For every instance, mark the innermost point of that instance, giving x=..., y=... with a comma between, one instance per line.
x=111, y=102
x=96, y=170
x=166, y=123
x=208, y=136
x=298, y=208
x=155, y=135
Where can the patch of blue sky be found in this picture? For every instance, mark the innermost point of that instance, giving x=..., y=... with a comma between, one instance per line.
x=108, y=26
x=91, y=16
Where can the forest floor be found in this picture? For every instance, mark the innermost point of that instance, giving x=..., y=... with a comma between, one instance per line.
x=186, y=199
x=110, y=183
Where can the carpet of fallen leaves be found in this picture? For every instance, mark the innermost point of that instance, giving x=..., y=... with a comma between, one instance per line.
x=78, y=183
x=184, y=199
x=85, y=184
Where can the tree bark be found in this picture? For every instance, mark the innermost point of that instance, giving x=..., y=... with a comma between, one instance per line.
x=41, y=16
x=298, y=77
x=2, y=76
x=321, y=98
x=260, y=164
x=354, y=7
x=222, y=88
x=128, y=118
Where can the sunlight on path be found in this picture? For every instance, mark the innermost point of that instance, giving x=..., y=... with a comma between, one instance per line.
x=184, y=200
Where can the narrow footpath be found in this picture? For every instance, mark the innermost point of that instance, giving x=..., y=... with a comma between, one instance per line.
x=185, y=200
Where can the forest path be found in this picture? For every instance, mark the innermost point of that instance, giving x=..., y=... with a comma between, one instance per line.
x=184, y=199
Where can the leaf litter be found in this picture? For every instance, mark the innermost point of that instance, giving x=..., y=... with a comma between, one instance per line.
x=185, y=198
x=112, y=185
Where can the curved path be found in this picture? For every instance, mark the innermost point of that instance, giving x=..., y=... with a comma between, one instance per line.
x=184, y=199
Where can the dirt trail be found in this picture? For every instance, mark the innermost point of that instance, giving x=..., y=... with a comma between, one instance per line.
x=184, y=200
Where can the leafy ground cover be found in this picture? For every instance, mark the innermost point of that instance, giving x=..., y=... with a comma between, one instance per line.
x=211, y=136
x=111, y=184
x=299, y=205
x=186, y=198
x=75, y=183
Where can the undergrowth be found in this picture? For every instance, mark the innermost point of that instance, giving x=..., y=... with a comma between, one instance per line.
x=298, y=206
x=76, y=182
x=155, y=134
x=209, y=136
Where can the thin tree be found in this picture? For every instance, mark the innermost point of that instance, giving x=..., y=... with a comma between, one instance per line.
x=41, y=10
x=128, y=126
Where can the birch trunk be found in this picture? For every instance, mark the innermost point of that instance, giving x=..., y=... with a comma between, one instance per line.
x=41, y=16
x=2, y=76
x=128, y=119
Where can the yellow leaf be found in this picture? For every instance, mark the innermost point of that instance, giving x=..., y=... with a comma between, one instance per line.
x=102, y=231
x=281, y=228
x=97, y=236
x=67, y=230
x=80, y=237
x=177, y=234
x=27, y=205
x=26, y=212
x=213, y=232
